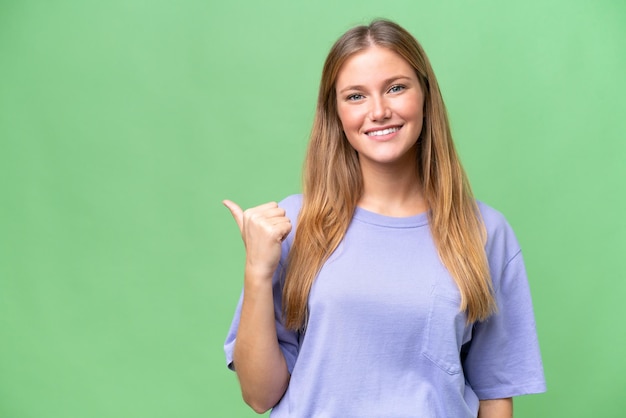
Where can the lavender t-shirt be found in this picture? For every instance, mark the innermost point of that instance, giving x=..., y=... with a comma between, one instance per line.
x=385, y=337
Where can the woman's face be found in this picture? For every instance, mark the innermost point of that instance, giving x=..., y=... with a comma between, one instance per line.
x=380, y=104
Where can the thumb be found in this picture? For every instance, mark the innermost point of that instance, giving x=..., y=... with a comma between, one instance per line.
x=236, y=211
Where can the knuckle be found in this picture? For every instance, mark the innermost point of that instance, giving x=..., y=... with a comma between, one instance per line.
x=251, y=214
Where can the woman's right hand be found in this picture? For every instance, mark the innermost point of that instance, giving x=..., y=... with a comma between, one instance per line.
x=257, y=357
x=263, y=228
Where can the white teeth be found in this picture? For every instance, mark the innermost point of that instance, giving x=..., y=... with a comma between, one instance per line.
x=383, y=132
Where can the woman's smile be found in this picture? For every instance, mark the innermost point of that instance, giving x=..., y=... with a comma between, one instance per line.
x=382, y=134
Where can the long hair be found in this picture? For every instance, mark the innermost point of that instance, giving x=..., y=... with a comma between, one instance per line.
x=332, y=184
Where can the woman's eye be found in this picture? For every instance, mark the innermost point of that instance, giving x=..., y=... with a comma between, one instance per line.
x=396, y=89
x=354, y=97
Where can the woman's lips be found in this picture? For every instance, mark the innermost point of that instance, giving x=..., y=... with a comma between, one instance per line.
x=382, y=133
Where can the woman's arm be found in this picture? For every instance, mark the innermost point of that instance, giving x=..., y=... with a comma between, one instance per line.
x=496, y=408
x=257, y=357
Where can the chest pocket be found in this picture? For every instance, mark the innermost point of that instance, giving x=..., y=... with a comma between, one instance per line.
x=444, y=334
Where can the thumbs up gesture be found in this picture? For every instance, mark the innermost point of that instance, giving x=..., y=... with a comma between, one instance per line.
x=263, y=228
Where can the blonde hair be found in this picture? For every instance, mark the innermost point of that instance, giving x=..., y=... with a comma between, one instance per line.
x=332, y=184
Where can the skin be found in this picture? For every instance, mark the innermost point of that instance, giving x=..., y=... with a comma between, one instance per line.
x=496, y=408
x=377, y=91
x=259, y=362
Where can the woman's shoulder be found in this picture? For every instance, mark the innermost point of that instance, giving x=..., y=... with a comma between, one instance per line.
x=500, y=236
x=494, y=220
x=291, y=201
x=292, y=205
x=491, y=217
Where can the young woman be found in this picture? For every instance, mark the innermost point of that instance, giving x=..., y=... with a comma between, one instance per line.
x=385, y=289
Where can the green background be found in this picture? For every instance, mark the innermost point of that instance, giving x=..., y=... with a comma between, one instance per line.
x=124, y=123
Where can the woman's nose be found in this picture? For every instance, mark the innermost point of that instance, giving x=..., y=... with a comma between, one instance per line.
x=379, y=109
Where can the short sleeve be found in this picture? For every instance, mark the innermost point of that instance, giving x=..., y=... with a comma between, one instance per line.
x=503, y=359
x=288, y=340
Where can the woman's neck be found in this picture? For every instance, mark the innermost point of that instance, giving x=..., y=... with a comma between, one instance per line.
x=391, y=191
